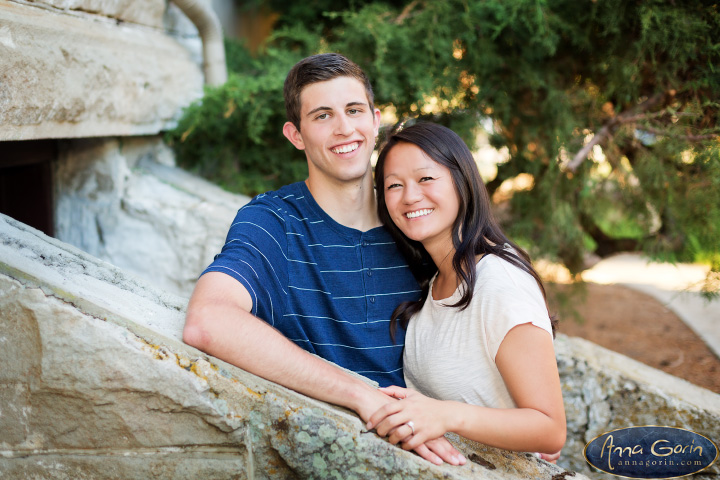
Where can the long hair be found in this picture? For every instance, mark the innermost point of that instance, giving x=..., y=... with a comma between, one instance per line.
x=475, y=231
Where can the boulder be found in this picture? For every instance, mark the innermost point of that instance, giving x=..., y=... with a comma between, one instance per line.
x=96, y=379
x=145, y=12
x=65, y=74
x=111, y=192
x=96, y=383
x=604, y=391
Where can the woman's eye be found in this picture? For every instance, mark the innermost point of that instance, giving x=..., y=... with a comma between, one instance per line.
x=424, y=179
x=393, y=185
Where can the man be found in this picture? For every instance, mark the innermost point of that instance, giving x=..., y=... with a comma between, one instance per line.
x=313, y=261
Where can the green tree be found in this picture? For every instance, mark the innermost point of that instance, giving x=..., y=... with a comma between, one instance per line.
x=611, y=107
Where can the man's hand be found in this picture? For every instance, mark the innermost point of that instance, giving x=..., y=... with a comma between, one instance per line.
x=369, y=401
x=440, y=449
x=433, y=450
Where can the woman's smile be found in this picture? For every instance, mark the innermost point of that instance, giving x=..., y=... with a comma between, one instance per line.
x=420, y=213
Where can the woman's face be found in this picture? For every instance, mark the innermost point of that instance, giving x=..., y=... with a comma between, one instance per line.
x=420, y=195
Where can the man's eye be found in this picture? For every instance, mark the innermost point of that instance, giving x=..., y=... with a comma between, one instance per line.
x=353, y=111
x=322, y=116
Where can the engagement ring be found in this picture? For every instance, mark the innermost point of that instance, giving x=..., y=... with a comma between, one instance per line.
x=412, y=426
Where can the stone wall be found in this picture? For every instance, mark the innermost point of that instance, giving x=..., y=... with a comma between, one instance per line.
x=111, y=192
x=87, y=68
x=104, y=72
x=604, y=391
x=147, y=12
x=95, y=378
x=97, y=384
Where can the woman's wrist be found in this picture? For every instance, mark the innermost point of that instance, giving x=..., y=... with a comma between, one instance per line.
x=456, y=416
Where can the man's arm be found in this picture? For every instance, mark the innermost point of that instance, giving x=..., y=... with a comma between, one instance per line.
x=219, y=323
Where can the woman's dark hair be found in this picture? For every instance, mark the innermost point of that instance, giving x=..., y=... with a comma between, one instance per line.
x=475, y=230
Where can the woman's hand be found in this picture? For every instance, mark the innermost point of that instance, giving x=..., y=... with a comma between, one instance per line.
x=550, y=457
x=430, y=418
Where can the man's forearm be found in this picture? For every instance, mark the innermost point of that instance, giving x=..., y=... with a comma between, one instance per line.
x=219, y=323
x=241, y=339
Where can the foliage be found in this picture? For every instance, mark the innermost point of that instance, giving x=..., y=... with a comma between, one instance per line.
x=611, y=106
x=233, y=136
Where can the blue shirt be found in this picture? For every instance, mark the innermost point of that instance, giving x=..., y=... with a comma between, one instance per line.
x=328, y=288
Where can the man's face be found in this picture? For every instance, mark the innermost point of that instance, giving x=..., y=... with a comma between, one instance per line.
x=337, y=129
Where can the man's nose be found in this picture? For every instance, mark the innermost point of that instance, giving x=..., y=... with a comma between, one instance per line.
x=343, y=126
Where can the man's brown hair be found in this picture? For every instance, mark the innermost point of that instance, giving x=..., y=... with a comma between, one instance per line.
x=319, y=68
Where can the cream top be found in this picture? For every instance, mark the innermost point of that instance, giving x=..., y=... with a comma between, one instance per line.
x=450, y=354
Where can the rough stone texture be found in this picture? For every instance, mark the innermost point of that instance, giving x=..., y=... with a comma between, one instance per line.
x=145, y=12
x=97, y=384
x=604, y=391
x=111, y=192
x=181, y=28
x=69, y=75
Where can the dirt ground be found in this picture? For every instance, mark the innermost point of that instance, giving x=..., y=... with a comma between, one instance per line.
x=637, y=325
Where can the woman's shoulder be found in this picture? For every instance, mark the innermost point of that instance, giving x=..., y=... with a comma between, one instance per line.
x=494, y=263
x=495, y=272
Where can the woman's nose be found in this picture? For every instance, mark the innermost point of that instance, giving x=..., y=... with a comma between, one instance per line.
x=412, y=194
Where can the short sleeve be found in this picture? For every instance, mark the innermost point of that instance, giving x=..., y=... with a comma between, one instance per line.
x=255, y=254
x=510, y=297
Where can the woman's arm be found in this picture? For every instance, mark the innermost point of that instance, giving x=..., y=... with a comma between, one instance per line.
x=526, y=361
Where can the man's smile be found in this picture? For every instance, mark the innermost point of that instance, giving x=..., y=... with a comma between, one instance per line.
x=350, y=147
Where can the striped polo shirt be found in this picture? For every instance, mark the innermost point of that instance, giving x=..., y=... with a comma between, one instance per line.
x=328, y=288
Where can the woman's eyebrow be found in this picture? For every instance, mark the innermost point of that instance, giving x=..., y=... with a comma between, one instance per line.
x=414, y=170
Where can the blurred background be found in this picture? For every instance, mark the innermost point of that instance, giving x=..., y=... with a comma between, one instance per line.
x=595, y=125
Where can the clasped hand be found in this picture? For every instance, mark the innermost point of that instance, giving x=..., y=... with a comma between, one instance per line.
x=429, y=420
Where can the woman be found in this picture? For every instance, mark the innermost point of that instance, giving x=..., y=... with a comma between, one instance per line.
x=479, y=357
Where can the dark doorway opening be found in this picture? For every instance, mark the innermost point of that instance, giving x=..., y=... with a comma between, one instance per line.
x=26, y=184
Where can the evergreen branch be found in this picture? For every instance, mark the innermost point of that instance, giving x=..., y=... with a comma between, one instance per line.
x=690, y=138
x=585, y=151
x=661, y=113
x=628, y=116
x=406, y=12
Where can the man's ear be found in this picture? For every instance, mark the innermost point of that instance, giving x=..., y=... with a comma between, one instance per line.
x=293, y=134
x=376, y=122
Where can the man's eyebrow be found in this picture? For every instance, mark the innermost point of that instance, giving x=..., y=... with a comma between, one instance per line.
x=318, y=109
x=323, y=108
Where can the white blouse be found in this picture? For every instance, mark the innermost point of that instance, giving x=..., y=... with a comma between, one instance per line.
x=450, y=354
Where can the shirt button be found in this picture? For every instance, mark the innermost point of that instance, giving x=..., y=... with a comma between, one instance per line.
x=372, y=299
x=369, y=273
